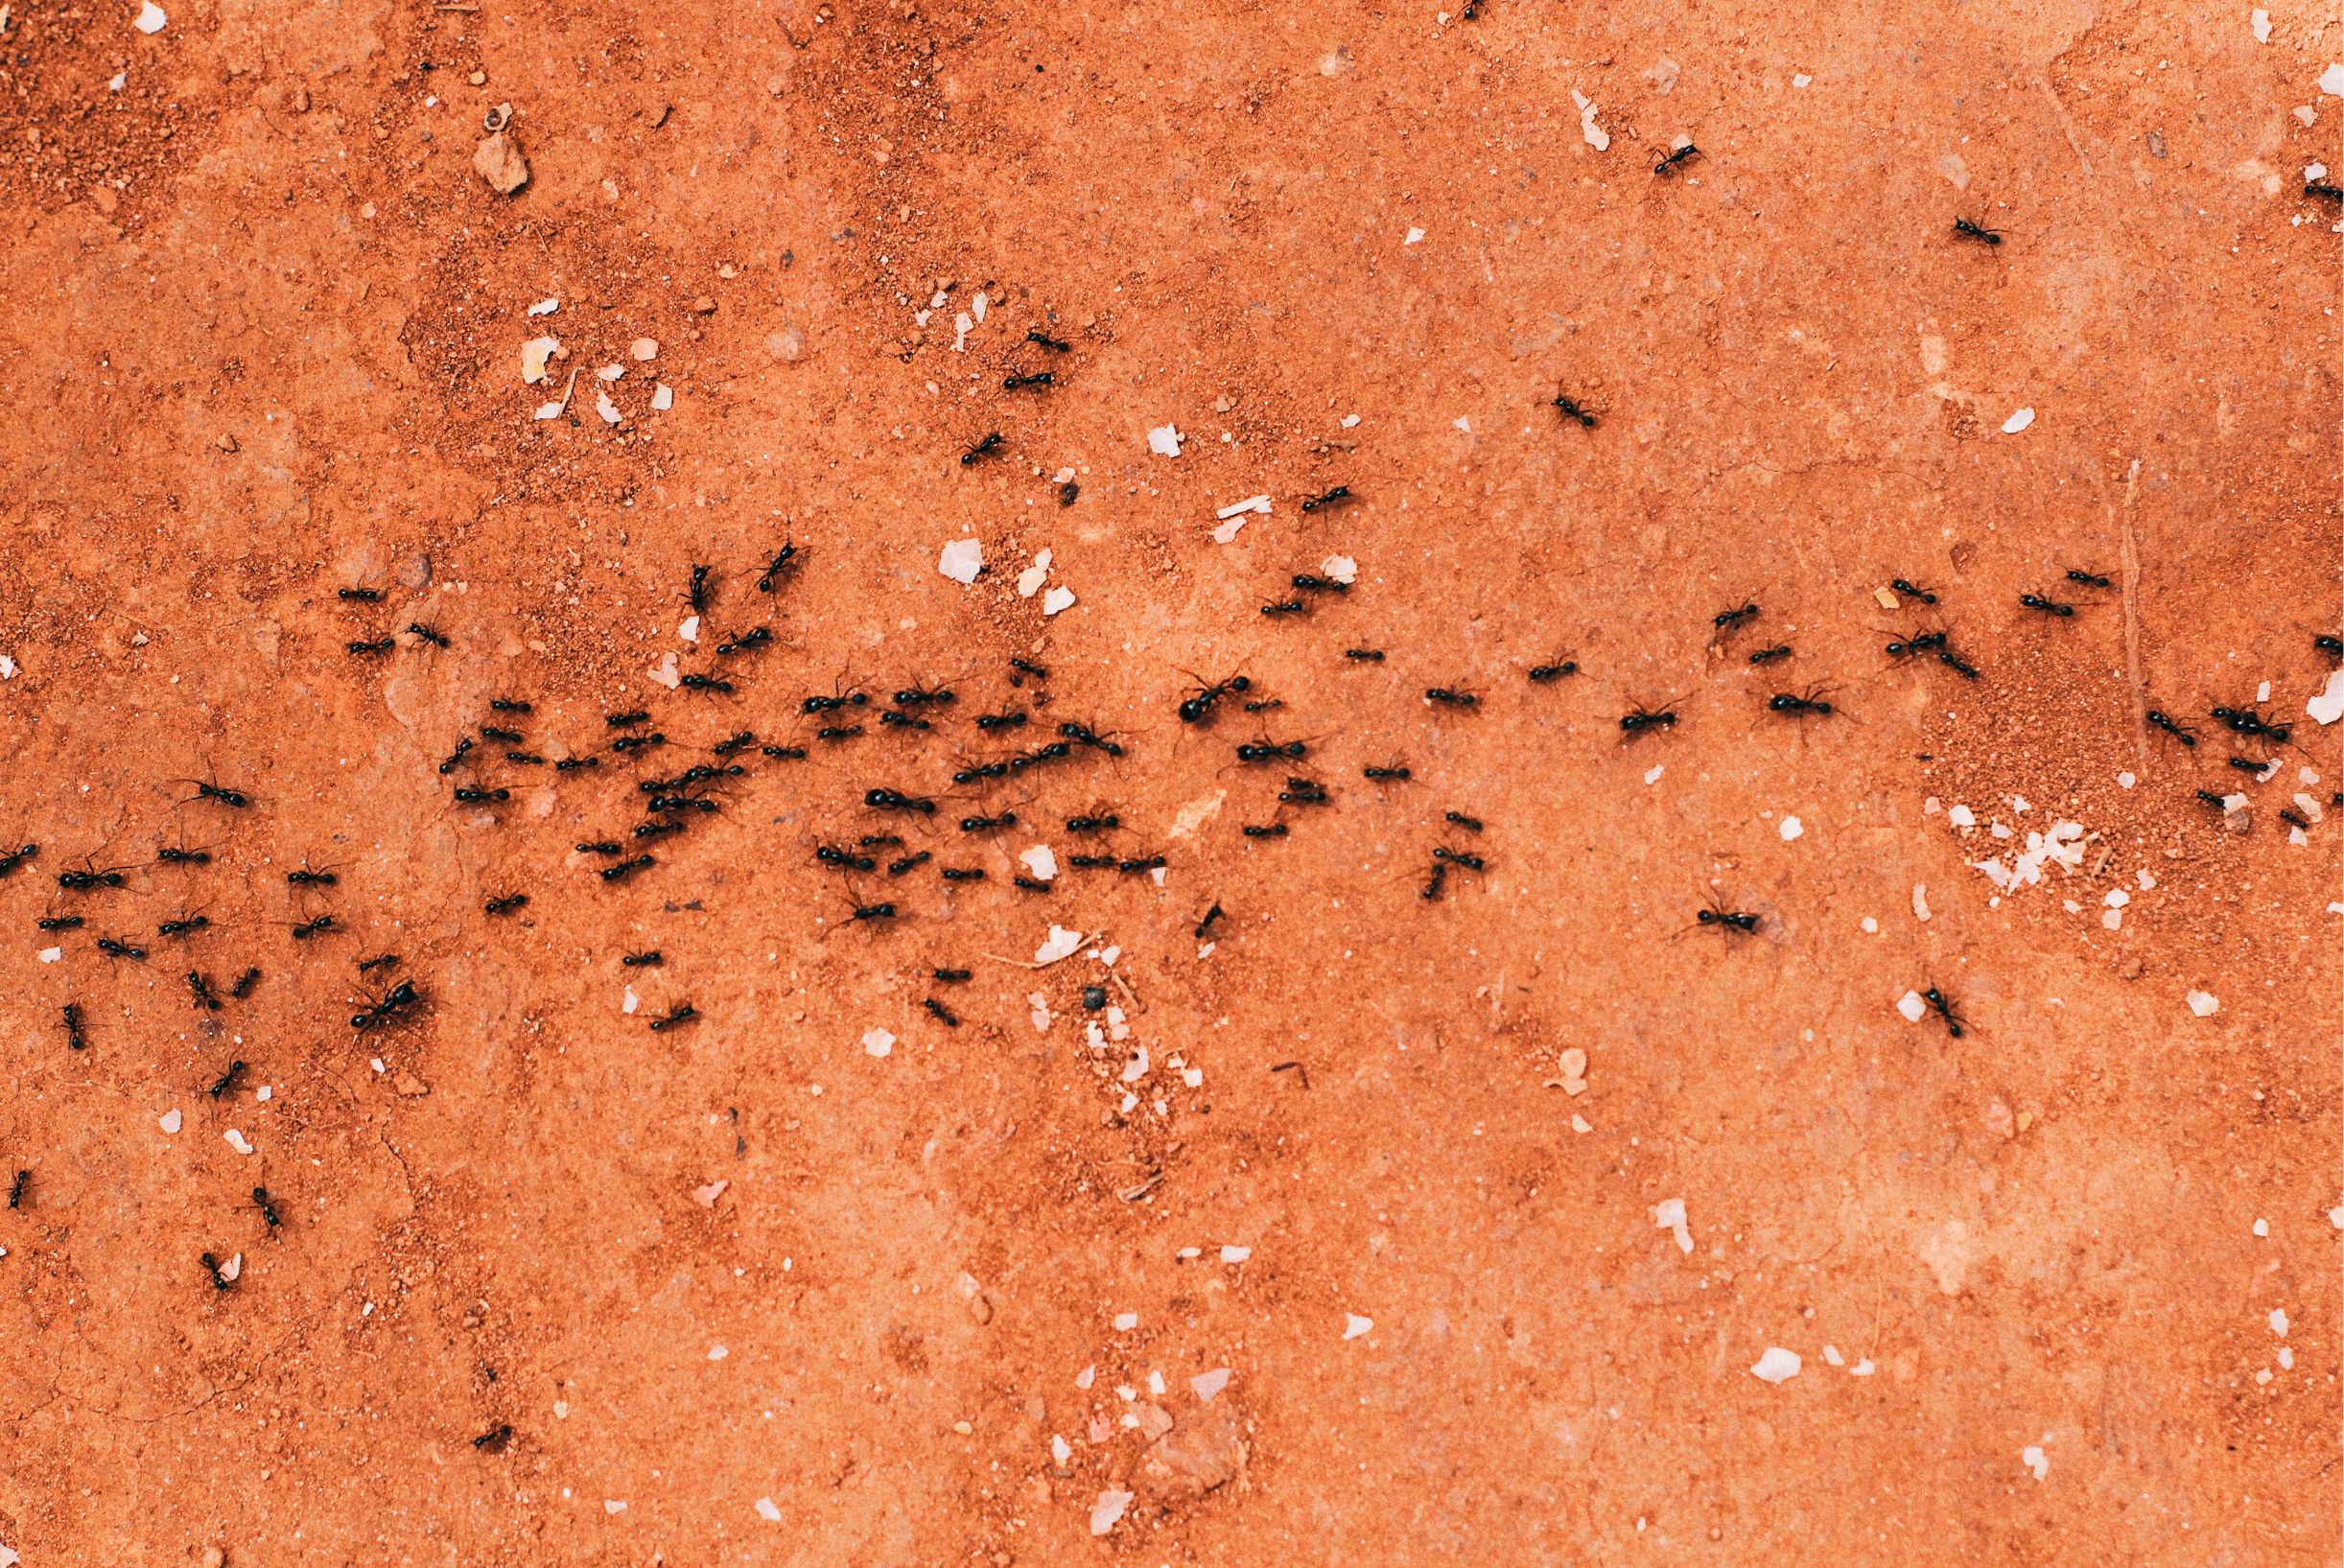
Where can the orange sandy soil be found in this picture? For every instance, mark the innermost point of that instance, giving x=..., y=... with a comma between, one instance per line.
x=261, y=328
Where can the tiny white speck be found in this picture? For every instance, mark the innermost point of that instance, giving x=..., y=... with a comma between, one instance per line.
x=767, y=1511
x=150, y=20
x=170, y=1120
x=1354, y=1326
x=2017, y=421
x=877, y=1041
x=1790, y=829
x=1777, y=1365
x=1416, y=236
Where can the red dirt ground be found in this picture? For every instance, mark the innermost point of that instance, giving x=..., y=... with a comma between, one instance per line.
x=262, y=338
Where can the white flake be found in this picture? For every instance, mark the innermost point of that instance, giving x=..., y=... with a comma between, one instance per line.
x=50, y=956
x=1108, y=1509
x=1652, y=775
x=1058, y=599
x=1464, y=423
x=2203, y=1003
x=2329, y=706
x=1832, y=1356
x=171, y=1122
x=1911, y=1006
x=1669, y=1214
x=1061, y=943
x=535, y=355
x=238, y=1141
x=690, y=629
x=663, y=398
x=603, y=406
x=1040, y=862
x=630, y=1001
x=1238, y=509
x=1165, y=440
x=2279, y=1322
x=961, y=560
x=717, y=1352
x=2260, y=20
x=1920, y=901
x=2017, y=421
x=1236, y=1255
x=768, y=1511
x=1792, y=828
x=1224, y=533
x=1416, y=236
x=664, y=672
x=8, y=668
x=1341, y=567
x=1596, y=135
x=151, y=19
x=1961, y=817
x=877, y=1041
x=2032, y=1457
x=1777, y=1365
x=1354, y=1326
x=614, y=1504
x=1209, y=1384
x=545, y=307
x=2331, y=79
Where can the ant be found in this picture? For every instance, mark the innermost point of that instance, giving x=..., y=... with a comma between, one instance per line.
x=82, y=881
x=170, y=854
x=649, y=959
x=1396, y=770
x=455, y=756
x=2047, y=606
x=1275, y=830
x=891, y=800
x=1083, y=735
x=18, y=1188
x=203, y=988
x=974, y=453
x=510, y=705
x=1571, y=409
x=2213, y=801
x=843, y=859
x=1945, y=1011
x=1965, y=230
x=1767, y=656
x=358, y=595
x=1548, y=675
x=306, y=878
x=1196, y=710
x=955, y=977
x=503, y=738
x=1140, y=863
x=1954, y=662
x=1339, y=494
x=626, y=743
x=2248, y=721
x=1286, y=607
x=941, y=1013
x=873, y=911
x=222, y=1279
x=227, y=1081
x=1725, y=622
x=1068, y=492
x=184, y=926
x=626, y=720
x=115, y=949
x=2333, y=647
x=478, y=797
x=680, y=1013
x=268, y=1207
x=920, y=696
x=739, y=742
x=1091, y=862
x=59, y=922
x=1012, y=720
x=1799, y=705
x=1470, y=824
x=698, y=593
x=890, y=719
x=15, y=857
x=748, y=641
x=1670, y=164
x=494, y=1440
x=380, y=960
x=309, y=928
x=1205, y=924
x=1440, y=877
x=872, y=841
x=1728, y=922
x=1027, y=666
x=986, y=824
x=2294, y=818
x=1034, y=335
x=376, y=1014
x=1312, y=584
x=2247, y=764
x=626, y=868
x=1269, y=751
x=2089, y=580
x=2321, y=189
x=245, y=983
x=1301, y=791
x=1106, y=822
x=1039, y=379
x=74, y=1037
x=964, y=873
x=1912, y=590
x=234, y=799
x=1458, y=857
x=907, y=864
x=784, y=560
x=2171, y=726
x=431, y=635
x=1451, y=698
x=1917, y=643
x=381, y=645
x=1364, y=656
x=706, y=683
x=1642, y=719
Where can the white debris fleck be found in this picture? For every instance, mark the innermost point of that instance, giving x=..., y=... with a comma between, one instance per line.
x=961, y=326
x=961, y=560
x=1869, y=925
x=1031, y=579
x=1652, y=775
x=2260, y=21
x=1126, y=1322
x=1354, y=1326
x=1238, y=508
x=545, y=307
x=1061, y=1452
x=1224, y=533
x=150, y=20
x=2279, y=1322
x=1350, y=421
x=233, y=1269
x=1777, y=1365
x=1961, y=817
x=1038, y=1010
x=1861, y=1368
x=1416, y=236
x=535, y=354
x=1790, y=829
x=170, y=1121
x=690, y=629
x=2287, y=1357
x=614, y=1504
x=1236, y=1255
x=1040, y=862
x=644, y=349
x=1462, y=422
x=1669, y=1214
x=1059, y=944
x=1165, y=440
x=1056, y=599
x=664, y=672
x=238, y=1141
x=2329, y=706
x=1137, y=1067
x=2331, y=79
x=50, y=956
x=1108, y=1509
x=877, y=1041
x=629, y=1002
x=1341, y=567
x=2125, y=780
x=1802, y=79
x=8, y=668
x=2017, y=421
x=2033, y=1459
x=978, y=305
x=663, y=398
x=1911, y=1006
x=1920, y=901
x=603, y=406
x=1207, y=1383
x=767, y=1511
x=717, y=1352
x=1832, y=1356
x=1596, y=135
x=2204, y=1003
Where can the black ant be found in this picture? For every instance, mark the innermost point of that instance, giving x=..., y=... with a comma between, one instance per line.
x=1571, y=409
x=1547, y=674
x=1954, y=662
x=1945, y=1011
x=1269, y=751
x=1729, y=922
x=1396, y=770
x=2324, y=191
x=18, y=1188
x=2247, y=764
x=1300, y=791
x=784, y=561
x=986, y=824
x=1274, y=830
x=649, y=959
x=890, y=719
x=1339, y=494
x=658, y=830
x=1725, y=622
x=1196, y=710
x=2249, y=721
x=1912, y=589
x=234, y=799
x=1286, y=607
x=203, y=988
x=844, y=859
x=74, y=1037
x=1440, y=877
x=2089, y=580
x=907, y=864
x=2294, y=818
x=626, y=743
x=1364, y=656
x=376, y=1014
x=480, y=797
x=1642, y=719
x=680, y=1013
x=227, y=1081
x=503, y=738
x=1027, y=666
x=892, y=800
x=381, y=644
x=309, y=928
x=1205, y=924
x=1091, y=862
x=1105, y=822
x=789, y=754
x=1767, y=656
x=221, y=1279
x=1968, y=230
x=510, y=705
x=1459, y=857
x=114, y=947
x=306, y=878
x=170, y=854
x=1470, y=824
x=455, y=756
x=941, y=1013
x=1012, y=720
x=1039, y=379
x=748, y=641
x=628, y=868
x=873, y=911
x=15, y=857
x=1141, y=863
x=2173, y=727
x=964, y=873
x=1082, y=735
x=1451, y=698
x=982, y=448
x=1917, y=643
x=874, y=841
x=739, y=742
x=2213, y=801
x=184, y=926
x=1034, y=335
x=268, y=1207
x=82, y=882
x=59, y=922
x=430, y=634
x=626, y=720
x=1311, y=583
x=706, y=683
x=698, y=593
x=245, y=983
x=358, y=595
x=2047, y=606
x=1675, y=159
x=1799, y=705
x=380, y=960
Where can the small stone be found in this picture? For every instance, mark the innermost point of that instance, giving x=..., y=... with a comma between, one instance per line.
x=410, y=1086
x=706, y=305
x=479, y=79
x=1094, y=997
x=787, y=345
x=497, y=160
x=1203, y=1453
x=645, y=349
x=214, y=1558
x=226, y=442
